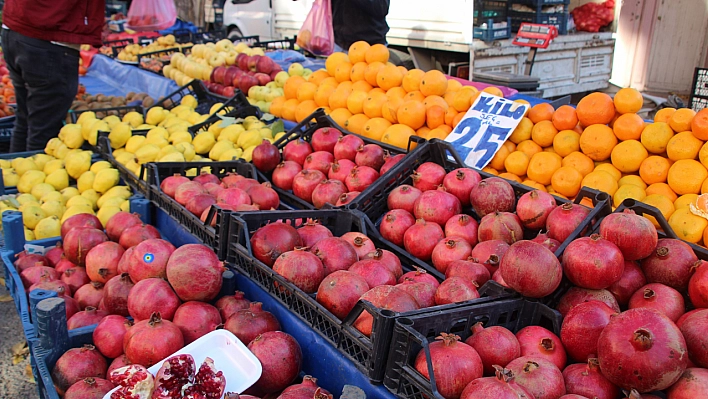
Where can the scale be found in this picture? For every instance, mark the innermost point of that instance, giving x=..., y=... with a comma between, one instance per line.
x=534, y=36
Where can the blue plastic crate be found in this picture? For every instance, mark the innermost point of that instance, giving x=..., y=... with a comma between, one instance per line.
x=493, y=31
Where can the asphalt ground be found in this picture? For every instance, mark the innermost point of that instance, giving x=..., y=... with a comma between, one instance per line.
x=16, y=381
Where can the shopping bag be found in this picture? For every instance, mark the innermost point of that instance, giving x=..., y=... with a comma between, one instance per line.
x=317, y=34
x=151, y=15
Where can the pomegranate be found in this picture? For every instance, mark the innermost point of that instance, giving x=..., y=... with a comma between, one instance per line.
x=115, y=294
x=305, y=182
x=469, y=270
x=492, y=195
x=534, y=207
x=50, y=285
x=503, y=226
x=233, y=196
x=692, y=384
x=76, y=364
x=328, y=191
x=436, y=206
x=89, y=295
x=120, y=361
x=454, y=365
x=575, y=296
x=346, y=147
x=543, y=239
x=428, y=176
x=371, y=155
x=213, y=188
x=586, y=380
x=462, y=226
x=196, y=319
x=74, y=278
x=661, y=298
x=268, y=242
x=281, y=358
x=319, y=160
x=325, y=139
x=490, y=253
x=263, y=196
x=361, y=243
x=71, y=304
x=421, y=238
x=670, y=264
x=312, y=232
x=403, y=197
x=388, y=259
x=134, y=381
x=80, y=220
x=209, y=382
x=86, y=317
x=102, y=261
x=109, y=333
x=374, y=272
x=64, y=265
x=170, y=184
x=79, y=241
x=340, y=170
x=502, y=386
x=495, y=345
x=335, y=253
x=455, y=289
x=230, y=304
x=302, y=268
x=540, y=377
x=149, y=259
x=206, y=178
x=199, y=203
x=394, y=225
x=531, y=269
x=89, y=388
x=26, y=261
x=285, y=173
x=459, y=183
x=593, y=262
x=347, y=198
x=642, y=349
x=563, y=220
x=635, y=235
x=360, y=178
x=134, y=235
x=694, y=332
x=385, y=297
x=499, y=279
x=187, y=190
x=698, y=286
x=390, y=162
x=307, y=389
x=419, y=275
x=173, y=375
x=124, y=263
x=297, y=151
x=538, y=341
x=152, y=340
x=194, y=272
x=686, y=315
x=448, y=250
x=119, y=222
x=632, y=279
x=266, y=156
x=37, y=274
x=582, y=327
x=247, y=324
x=340, y=291
x=423, y=293
x=152, y=295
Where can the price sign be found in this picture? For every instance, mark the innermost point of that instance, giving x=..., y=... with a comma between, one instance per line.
x=486, y=126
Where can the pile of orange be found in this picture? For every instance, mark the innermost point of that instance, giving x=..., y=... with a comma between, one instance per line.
x=604, y=144
x=367, y=95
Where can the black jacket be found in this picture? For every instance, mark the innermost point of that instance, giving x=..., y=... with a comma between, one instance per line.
x=355, y=20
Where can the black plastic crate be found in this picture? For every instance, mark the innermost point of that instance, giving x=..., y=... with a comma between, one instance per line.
x=540, y=3
x=205, y=100
x=493, y=31
x=699, y=90
x=485, y=9
x=104, y=112
x=201, y=37
x=559, y=20
x=367, y=353
x=236, y=112
x=144, y=57
x=414, y=333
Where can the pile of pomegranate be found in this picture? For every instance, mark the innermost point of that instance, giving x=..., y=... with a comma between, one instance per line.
x=332, y=168
x=234, y=192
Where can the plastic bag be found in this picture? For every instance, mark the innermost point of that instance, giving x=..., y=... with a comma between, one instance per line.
x=317, y=34
x=151, y=15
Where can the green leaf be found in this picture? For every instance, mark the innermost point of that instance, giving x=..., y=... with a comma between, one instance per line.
x=267, y=117
x=277, y=127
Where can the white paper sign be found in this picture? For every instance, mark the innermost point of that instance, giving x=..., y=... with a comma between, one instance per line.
x=486, y=126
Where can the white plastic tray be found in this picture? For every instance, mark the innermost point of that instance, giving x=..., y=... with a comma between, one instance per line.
x=241, y=368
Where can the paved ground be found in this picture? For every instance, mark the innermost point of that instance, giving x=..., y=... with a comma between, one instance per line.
x=14, y=382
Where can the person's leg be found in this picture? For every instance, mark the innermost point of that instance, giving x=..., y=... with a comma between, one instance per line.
x=18, y=141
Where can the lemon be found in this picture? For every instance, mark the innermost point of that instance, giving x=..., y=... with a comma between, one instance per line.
x=75, y=210
x=215, y=129
x=112, y=201
x=106, y=213
x=125, y=206
x=124, y=194
x=85, y=117
x=71, y=135
x=100, y=165
x=69, y=192
x=215, y=107
x=179, y=127
x=100, y=126
x=194, y=118
x=31, y=215
x=125, y=157
x=219, y=148
x=133, y=118
x=266, y=133
x=29, y=234
x=61, y=151
x=52, y=196
x=203, y=142
x=189, y=101
x=117, y=152
x=160, y=132
x=158, y=141
x=133, y=167
x=85, y=181
x=279, y=135
x=248, y=153
x=105, y=180
x=250, y=138
x=53, y=165
x=58, y=179
x=41, y=160
x=173, y=157
x=48, y=227
x=119, y=135
x=112, y=120
x=79, y=200
x=180, y=137
x=145, y=126
x=5, y=164
x=155, y=115
x=10, y=178
x=51, y=146
x=147, y=153
x=166, y=150
x=22, y=165
x=53, y=208
x=30, y=179
x=134, y=143
x=187, y=149
x=231, y=132
x=92, y=196
x=23, y=199
x=77, y=164
x=230, y=155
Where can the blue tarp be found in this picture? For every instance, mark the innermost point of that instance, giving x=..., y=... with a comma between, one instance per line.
x=179, y=25
x=110, y=77
x=286, y=57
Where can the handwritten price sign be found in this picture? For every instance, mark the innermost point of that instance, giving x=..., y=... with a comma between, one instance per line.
x=486, y=126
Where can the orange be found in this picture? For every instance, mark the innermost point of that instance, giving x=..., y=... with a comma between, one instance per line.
x=357, y=51
x=663, y=204
x=396, y=92
x=371, y=71
x=403, y=69
x=704, y=187
x=276, y=106
x=433, y=83
x=566, y=180
x=306, y=91
x=414, y=96
x=699, y=124
x=450, y=115
x=566, y=142
x=355, y=123
x=600, y=180
x=435, y=100
x=373, y=104
x=654, y=169
x=609, y=168
x=662, y=189
x=338, y=99
x=541, y=112
x=390, y=109
x=355, y=102
x=686, y=176
x=685, y=200
x=498, y=159
x=680, y=120
x=490, y=170
x=434, y=116
x=398, y=136
x=362, y=85
x=543, y=133
x=422, y=131
x=628, y=127
x=510, y=176
x=597, y=142
x=345, y=85
x=457, y=119
x=375, y=128
x=463, y=98
x=628, y=101
x=522, y=131
x=449, y=97
x=304, y=109
x=628, y=156
x=565, y=118
x=509, y=145
x=291, y=85
x=329, y=81
x=534, y=185
x=377, y=91
x=453, y=85
x=446, y=128
x=377, y=53
x=517, y=163
x=333, y=61
x=529, y=148
x=388, y=77
x=664, y=114
x=343, y=72
x=340, y=116
x=703, y=155
x=358, y=71
x=595, y=108
x=436, y=133
x=550, y=149
x=688, y=226
x=493, y=90
x=411, y=113
x=632, y=179
x=318, y=76
x=542, y=166
x=322, y=95
x=683, y=146
x=411, y=82
x=289, y=108
x=580, y=162
x=628, y=191
x=656, y=136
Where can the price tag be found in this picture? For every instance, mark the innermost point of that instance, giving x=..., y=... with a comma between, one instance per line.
x=35, y=249
x=486, y=126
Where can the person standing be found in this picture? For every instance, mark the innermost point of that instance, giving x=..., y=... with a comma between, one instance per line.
x=40, y=42
x=355, y=20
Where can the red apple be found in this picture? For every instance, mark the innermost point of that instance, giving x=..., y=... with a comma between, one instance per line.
x=218, y=75
x=253, y=62
x=230, y=74
x=242, y=61
x=247, y=82
x=262, y=78
x=264, y=65
x=219, y=89
x=228, y=91
x=237, y=80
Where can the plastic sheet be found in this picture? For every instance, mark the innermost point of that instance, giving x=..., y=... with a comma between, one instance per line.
x=110, y=77
x=179, y=26
x=508, y=92
x=286, y=57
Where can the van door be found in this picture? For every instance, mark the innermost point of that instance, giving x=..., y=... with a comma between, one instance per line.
x=249, y=18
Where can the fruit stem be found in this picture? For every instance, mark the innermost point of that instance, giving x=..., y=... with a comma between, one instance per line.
x=477, y=327
x=642, y=340
x=649, y=293
x=547, y=344
x=530, y=366
x=448, y=339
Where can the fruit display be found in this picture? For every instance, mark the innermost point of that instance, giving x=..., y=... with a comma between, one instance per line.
x=86, y=102
x=248, y=72
x=130, y=52
x=7, y=89
x=367, y=95
x=226, y=141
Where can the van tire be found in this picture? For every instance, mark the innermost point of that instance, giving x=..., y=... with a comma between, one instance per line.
x=234, y=33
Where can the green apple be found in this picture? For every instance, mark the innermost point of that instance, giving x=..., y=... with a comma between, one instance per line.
x=264, y=106
x=281, y=77
x=296, y=69
x=271, y=95
x=270, y=85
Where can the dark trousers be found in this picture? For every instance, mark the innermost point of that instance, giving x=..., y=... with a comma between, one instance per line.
x=46, y=77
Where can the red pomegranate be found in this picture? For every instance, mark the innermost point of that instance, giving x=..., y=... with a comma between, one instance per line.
x=206, y=178
x=305, y=182
x=79, y=241
x=80, y=220
x=120, y=361
x=74, y=278
x=374, y=272
x=149, y=259
x=25, y=261
x=360, y=178
x=454, y=365
x=115, y=294
x=686, y=315
x=361, y=243
x=470, y=270
x=632, y=279
x=692, y=384
x=563, y=220
x=538, y=341
x=346, y=147
x=230, y=304
x=75, y=365
x=347, y=198
x=328, y=191
x=635, y=235
x=124, y=263
x=502, y=386
x=297, y=151
x=37, y=274
x=672, y=264
x=492, y=195
x=394, y=225
x=265, y=156
x=89, y=295
x=302, y=268
x=464, y=226
x=187, y=190
x=389, y=260
x=281, y=358
x=307, y=389
x=335, y=253
x=340, y=291
x=313, y=232
x=152, y=340
x=448, y=250
x=490, y=253
x=698, y=286
x=102, y=261
x=495, y=345
x=173, y=375
x=421, y=238
x=534, y=207
x=575, y=296
x=419, y=275
x=454, y=290
x=340, y=170
x=531, y=269
x=403, y=197
x=319, y=160
x=233, y=196
x=271, y=240
x=423, y=293
x=199, y=203
x=63, y=265
x=89, y=388
x=593, y=262
x=119, y=222
x=325, y=139
x=384, y=297
x=71, y=304
x=213, y=188
x=134, y=235
x=371, y=155
x=436, y=206
x=285, y=173
x=390, y=161
x=540, y=377
x=247, y=324
x=428, y=176
x=134, y=381
x=194, y=272
x=694, y=331
x=152, y=295
x=85, y=318
x=57, y=286
x=503, y=226
x=459, y=183
x=543, y=239
x=196, y=319
x=582, y=327
x=661, y=298
x=54, y=255
x=169, y=185
x=109, y=333
x=588, y=381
